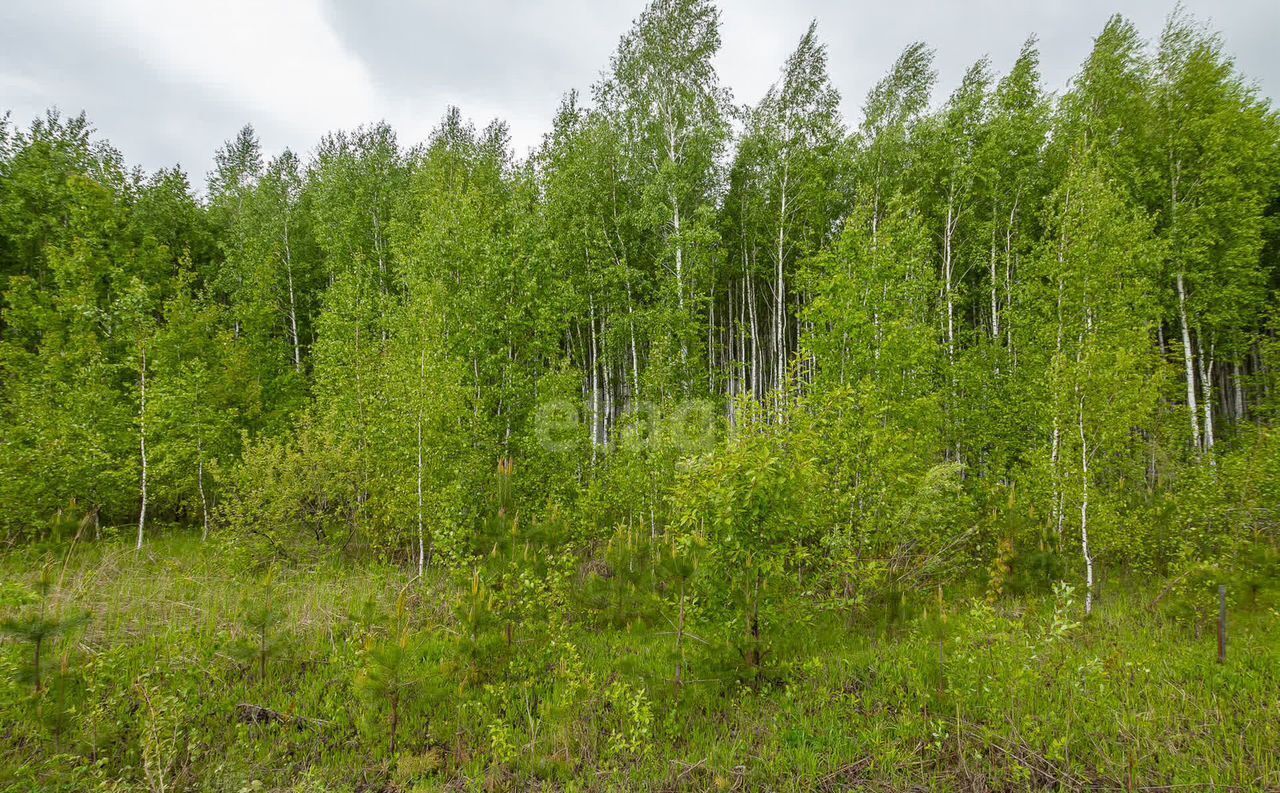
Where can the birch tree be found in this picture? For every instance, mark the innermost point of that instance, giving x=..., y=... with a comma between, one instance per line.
x=1215, y=168
x=880, y=375
x=422, y=387
x=953, y=139
x=289, y=250
x=663, y=95
x=198, y=402
x=891, y=112
x=68, y=365
x=135, y=313
x=1010, y=167
x=606, y=299
x=1094, y=288
x=1008, y=188
x=783, y=201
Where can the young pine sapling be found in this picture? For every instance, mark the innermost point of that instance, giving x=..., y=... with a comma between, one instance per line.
x=40, y=627
x=384, y=677
x=259, y=618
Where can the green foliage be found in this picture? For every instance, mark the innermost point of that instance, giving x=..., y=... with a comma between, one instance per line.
x=38, y=628
x=259, y=618
x=388, y=676
x=745, y=509
x=481, y=642
x=1020, y=690
x=797, y=427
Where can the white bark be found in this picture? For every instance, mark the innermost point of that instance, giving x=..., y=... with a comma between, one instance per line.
x=422, y=376
x=947, y=266
x=995, y=306
x=1189, y=366
x=731, y=386
x=711, y=349
x=675, y=223
x=743, y=377
x=1206, y=386
x=684, y=346
x=595, y=385
x=293, y=307
x=1008, y=281
x=780, y=291
x=1084, y=515
x=635, y=358
x=142, y=444
x=204, y=503
x=377, y=240
x=1057, y=430
x=1187, y=354
x=1058, y=497
x=755, y=339
x=607, y=418
x=673, y=157
x=1239, y=390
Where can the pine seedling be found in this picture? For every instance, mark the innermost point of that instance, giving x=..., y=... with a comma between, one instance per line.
x=39, y=628
x=259, y=619
x=476, y=615
x=621, y=583
x=754, y=641
x=676, y=569
x=73, y=520
x=500, y=529
x=1001, y=566
x=384, y=677
x=501, y=543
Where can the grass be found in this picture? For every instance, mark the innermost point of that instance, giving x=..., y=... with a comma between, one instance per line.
x=1020, y=694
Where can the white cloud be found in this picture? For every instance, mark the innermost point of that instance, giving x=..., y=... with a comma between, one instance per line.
x=169, y=81
x=279, y=61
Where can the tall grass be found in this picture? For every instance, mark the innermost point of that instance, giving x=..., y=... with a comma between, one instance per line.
x=962, y=695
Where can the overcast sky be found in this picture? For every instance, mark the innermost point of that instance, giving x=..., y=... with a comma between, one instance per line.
x=167, y=81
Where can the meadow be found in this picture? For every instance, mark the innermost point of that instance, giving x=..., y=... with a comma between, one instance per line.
x=706, y=445
x=194, y=674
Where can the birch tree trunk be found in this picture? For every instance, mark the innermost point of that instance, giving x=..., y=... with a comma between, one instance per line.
x=755, y=340
x=1206, y=386
x=595, y=384
x=744, y=381
x=142, y=443
x=1059, y=498
x=1084, y=514
x=780, y=290
x=711, y=348
x=947, y=266
x=607, y=418
x=1239, y=390
x=675, y=223
x=422, y=376
x=1189, y=366
x=1057, y=430
x=293, y=308
x=730, y=353
x=204, y=503
x=995, y=308
x=635, y=358
x=1008, y=281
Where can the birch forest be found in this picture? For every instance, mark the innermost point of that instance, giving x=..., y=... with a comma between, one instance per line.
x=710, y=445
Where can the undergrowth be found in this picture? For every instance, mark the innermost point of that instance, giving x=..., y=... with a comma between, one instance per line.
x=193, y=674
